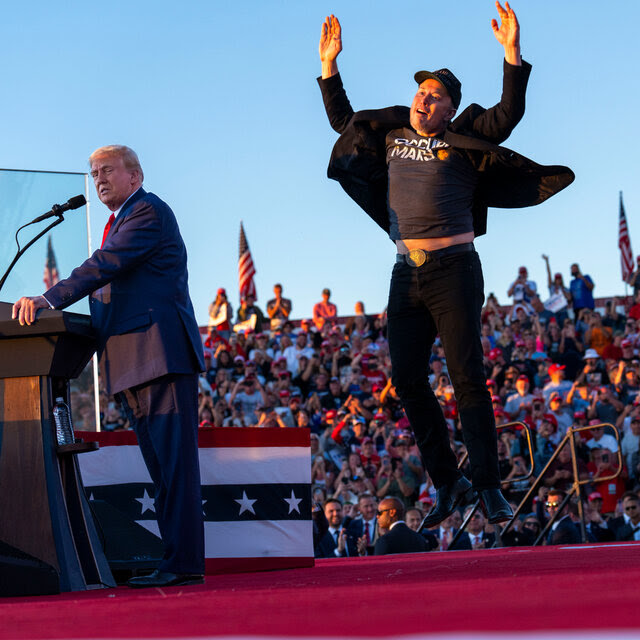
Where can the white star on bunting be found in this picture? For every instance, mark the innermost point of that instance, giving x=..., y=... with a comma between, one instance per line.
x=146, y=502
x=293, y=502
x=245, y=504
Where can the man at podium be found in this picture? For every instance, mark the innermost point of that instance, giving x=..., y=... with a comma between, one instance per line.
x=149, y=348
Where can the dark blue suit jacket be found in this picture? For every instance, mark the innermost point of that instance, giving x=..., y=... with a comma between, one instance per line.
x=464, y=542
x=327, y=545
x=621, y=529
x=400, y=539
x=140, y=305
x=565, y=533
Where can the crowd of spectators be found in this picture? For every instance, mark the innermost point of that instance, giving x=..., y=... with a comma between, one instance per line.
x=552, y=362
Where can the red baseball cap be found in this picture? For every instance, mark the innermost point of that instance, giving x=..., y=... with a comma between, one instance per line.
x=556, y=367
x=425, y=498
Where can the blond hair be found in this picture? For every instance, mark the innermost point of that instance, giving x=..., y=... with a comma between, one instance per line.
x=128, y=155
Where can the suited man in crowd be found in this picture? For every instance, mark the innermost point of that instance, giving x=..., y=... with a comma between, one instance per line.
x=149, y=348
x=413, y=518
x=563, y=530
x=365, y=526
x=398, y=537
x=335, y=543
x=627, y=526
x=475, y=537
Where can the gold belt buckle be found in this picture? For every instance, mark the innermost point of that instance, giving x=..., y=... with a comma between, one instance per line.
x=416, y=257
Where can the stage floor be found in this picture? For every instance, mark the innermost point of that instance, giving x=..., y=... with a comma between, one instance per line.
x=590, y=590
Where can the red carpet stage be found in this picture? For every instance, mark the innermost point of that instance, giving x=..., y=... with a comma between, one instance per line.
x=582, y=591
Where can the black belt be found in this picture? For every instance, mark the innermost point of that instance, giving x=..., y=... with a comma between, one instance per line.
x=418, y=257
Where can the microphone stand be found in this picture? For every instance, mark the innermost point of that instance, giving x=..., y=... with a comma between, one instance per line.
x=55, y=223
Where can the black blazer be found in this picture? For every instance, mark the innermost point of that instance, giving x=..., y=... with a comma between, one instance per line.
x=464, y=542
x=622, y=530
x=400, y=539
x=506, y=179
x=327, y=545
x=565, y=533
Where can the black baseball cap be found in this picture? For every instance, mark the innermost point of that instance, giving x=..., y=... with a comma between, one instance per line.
x=446, y=79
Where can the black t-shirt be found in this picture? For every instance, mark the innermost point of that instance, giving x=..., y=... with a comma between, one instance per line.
x=431, y=187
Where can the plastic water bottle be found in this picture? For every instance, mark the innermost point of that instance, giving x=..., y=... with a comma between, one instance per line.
x=62, y=418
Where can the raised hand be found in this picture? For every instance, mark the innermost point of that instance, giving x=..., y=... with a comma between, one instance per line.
x=330, y=39
x=330, y=45
x=342, y=540
x=508, y=33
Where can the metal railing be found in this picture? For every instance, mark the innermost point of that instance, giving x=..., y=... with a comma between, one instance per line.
x=576, y=488
x=529, y=442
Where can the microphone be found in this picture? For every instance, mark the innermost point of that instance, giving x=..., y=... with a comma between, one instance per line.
x=59, y=209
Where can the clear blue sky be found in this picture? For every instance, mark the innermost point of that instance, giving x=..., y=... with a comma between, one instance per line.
x=220, y=101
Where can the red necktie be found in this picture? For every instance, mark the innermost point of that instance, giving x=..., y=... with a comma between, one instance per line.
x=367, y=534
x=107, y=226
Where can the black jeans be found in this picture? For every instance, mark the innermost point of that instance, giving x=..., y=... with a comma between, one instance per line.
x=444, y=296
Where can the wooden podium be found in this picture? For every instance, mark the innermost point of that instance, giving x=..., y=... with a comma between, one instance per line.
x=43, y=508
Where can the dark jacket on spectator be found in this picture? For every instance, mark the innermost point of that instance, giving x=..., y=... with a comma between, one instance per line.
x=464, y=542
x=400, y=539
x=623, y=531
x=565, y=533
x=327, y=545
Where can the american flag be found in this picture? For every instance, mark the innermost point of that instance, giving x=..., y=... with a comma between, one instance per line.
x=256, y=493
x=50, y=276
x=624, y=243
x=246, y=270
